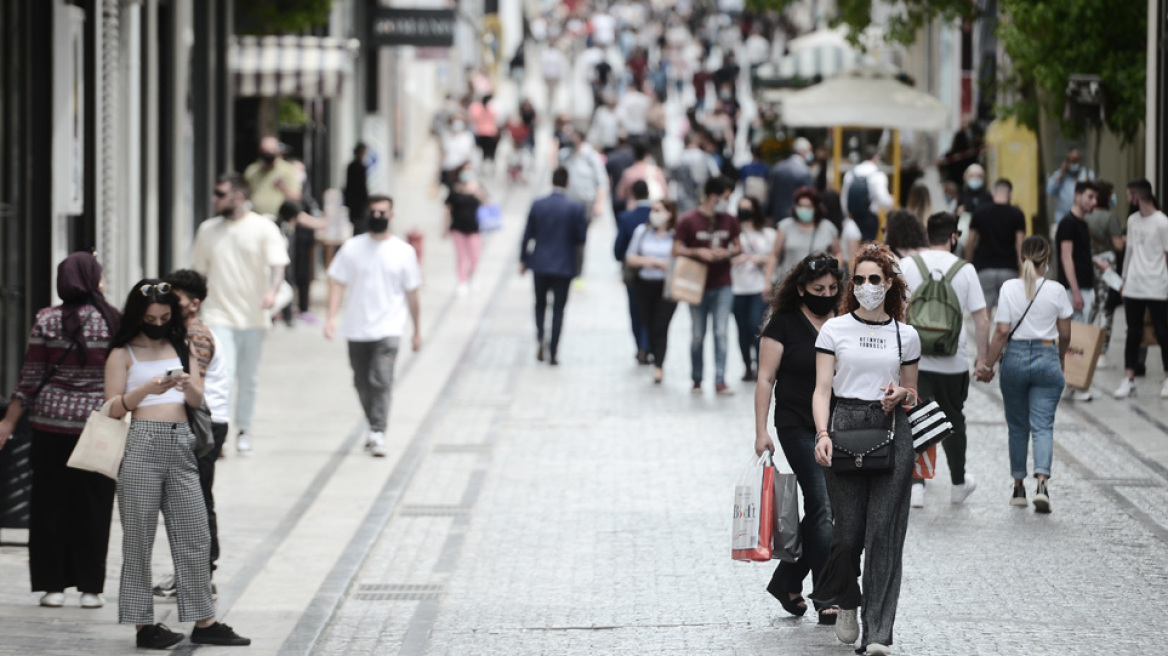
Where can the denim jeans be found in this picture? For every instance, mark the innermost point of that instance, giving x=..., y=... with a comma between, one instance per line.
x=1032, y=384
x=748, y=311
x=242, y=348
x=798, y=445
x=716, y=303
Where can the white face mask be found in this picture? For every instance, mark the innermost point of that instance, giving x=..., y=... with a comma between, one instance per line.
x=870, y=296
x=658, y=219
x=722, y=206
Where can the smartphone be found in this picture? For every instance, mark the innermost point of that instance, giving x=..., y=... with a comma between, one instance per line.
x=174, y=372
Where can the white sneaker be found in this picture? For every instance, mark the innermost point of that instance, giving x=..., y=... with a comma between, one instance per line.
x=918, y=495
x=1081, y=395
x=243, y=443
x=1126, y=388
x=1102, y=362
x=90, y=600
x=877, y=649
x=53, y=599
x=960, y=493
x=847, y=626
x=376, y=444
x=1164, y=389
x=462, y=290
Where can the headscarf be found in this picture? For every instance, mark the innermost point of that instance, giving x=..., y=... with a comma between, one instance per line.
x=78, y=277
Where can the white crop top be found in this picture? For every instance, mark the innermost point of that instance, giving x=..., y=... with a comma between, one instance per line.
x=140, y=372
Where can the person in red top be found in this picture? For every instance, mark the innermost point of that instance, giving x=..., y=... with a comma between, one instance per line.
x=61, y=383
x=709, y=234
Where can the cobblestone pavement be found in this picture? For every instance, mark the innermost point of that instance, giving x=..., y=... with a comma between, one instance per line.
x=582, y=509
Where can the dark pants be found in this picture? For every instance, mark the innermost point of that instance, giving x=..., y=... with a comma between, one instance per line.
x=1134, y=309
x=656, y=314
x=558, y=286
x=640, y=332
x=950, y=392
x=69, y=521
x=207, y=481
x=302, y=265
x=372, y=364
x=798, y=445
x=748, y=309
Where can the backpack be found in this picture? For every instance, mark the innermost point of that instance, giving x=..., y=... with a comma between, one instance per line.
x=935, y=311
x=859, y=201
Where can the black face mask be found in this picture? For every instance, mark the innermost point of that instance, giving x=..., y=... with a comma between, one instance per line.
x=820, y=306
x=155, y=332
x=378, y=223
x=268, y=158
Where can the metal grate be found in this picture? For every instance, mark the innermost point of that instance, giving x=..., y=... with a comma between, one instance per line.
x=397, y=592
x=434, y=511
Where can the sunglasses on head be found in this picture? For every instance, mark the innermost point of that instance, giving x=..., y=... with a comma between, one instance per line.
x=823, y=264
x=875, y=279
x=161, y=288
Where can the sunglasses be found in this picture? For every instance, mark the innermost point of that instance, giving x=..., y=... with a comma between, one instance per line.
x=823, y=264
x=161, y=288
x=875, y=279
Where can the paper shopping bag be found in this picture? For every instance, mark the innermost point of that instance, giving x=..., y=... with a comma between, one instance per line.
x=753, y=511
x=788, y=542
x=102, y=443
x=1082, y=354
x=686, y=281
x=1149, y=332
x=925, y=466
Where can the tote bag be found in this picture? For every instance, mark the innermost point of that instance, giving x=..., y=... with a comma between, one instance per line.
x=102, y=443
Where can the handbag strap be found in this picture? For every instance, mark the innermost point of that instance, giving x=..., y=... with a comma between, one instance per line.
x=1018, y=325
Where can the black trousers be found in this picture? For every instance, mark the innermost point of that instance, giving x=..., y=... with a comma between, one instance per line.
x=558, y=286
x=1134, y=309
x=69, y=522
x=950, y=392
x=656, y=314
x=207, y=481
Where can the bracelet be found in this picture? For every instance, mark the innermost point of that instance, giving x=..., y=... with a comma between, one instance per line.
x=122, y=399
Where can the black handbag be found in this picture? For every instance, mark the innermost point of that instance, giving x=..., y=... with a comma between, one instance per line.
x=198, y=418
x=861, y=450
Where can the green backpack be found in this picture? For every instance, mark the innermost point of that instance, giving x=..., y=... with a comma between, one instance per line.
x=935, y=310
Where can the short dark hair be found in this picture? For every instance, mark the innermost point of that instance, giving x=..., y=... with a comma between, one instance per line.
x=870, y=151
x=378, y=198
x=1003, y=182
x=236, y=181
x=640, y=149
x=903, y=232
x=560, y=177
x=1085, y=185
x=1143, y=191
x=717, y=185
x=941, y=226
x=641, y=190
x=359, y=147
x=188, y=281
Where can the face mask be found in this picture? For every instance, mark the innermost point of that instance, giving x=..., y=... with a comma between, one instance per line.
x=722, y=206
x=804, y=214
x=976, y=183
x=810, y=157
x=466, y=176
x=870, y=296
x=658, y=219
x=1072, y=168
x=744, y=213
x=154, y=332
x=458, y=126
x=820, y=306
x=378, y=223
x=268, y=158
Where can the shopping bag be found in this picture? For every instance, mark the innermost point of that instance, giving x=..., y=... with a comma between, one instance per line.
x=788, y=541
x=925, y=466
x=1082, y=354
x=489, y=217
x=686, y=281
x=753, y=511
x=102, y=443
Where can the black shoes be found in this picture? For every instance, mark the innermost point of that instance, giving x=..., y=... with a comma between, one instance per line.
x=158, y=636
x=218, y=634
x=539, y=352
x=1042, y=499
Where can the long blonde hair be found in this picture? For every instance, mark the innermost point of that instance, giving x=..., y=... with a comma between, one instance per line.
x=1035, y=255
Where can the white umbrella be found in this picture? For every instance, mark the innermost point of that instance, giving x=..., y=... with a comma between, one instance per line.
x=865, y=97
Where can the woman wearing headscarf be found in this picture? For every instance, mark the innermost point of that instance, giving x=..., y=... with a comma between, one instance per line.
x=61, y=383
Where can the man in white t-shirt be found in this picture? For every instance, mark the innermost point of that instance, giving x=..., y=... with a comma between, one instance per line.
x=382, y=276
x=1145, y=282
x=242, y=255
x=945, y=378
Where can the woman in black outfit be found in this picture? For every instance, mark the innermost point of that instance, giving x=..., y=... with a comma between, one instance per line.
x=806, y=299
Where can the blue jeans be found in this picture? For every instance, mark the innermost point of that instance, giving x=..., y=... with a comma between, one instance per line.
x=798, y=445
x=242, y=348
x=1032, y=384
x=715, y=302
x=748, y=310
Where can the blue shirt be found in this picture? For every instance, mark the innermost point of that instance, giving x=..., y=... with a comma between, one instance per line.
x=1064, y=192
x=626, y=223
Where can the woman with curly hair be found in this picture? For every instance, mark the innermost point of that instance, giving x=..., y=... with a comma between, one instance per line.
x=866, y=371
x=806, y=299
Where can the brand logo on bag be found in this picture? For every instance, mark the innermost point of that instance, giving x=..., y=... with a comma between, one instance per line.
x=750, y=512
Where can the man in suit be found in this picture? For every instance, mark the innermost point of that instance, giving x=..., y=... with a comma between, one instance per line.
x=556, y=227
x=626, y=223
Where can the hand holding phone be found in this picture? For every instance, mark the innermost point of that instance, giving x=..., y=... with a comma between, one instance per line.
x=174, y=372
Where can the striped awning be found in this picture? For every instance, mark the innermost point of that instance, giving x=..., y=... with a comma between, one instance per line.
x=290, y=66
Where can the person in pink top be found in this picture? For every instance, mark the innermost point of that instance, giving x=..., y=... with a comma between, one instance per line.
x=484, y=120
x=643, y=169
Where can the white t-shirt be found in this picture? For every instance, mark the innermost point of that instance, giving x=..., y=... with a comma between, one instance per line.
x=969, y=294
x=458, y=148
x=866, y=356
x=850, y=233
x=236, y=256
x=217, y=387
x=378, y=275
x=1041, y=322
x=603, y=29
x=749, y=277
x=1145, y=272
x=632, y=111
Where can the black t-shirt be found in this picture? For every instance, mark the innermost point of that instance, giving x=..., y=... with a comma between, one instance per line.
x=463, y=212
x=1076, y=231
x=795, y=382
x=996, y=227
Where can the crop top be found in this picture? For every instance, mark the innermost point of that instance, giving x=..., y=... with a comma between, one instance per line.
x=140, y=372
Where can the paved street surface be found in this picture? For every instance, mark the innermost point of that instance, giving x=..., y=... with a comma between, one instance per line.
x=530, y=509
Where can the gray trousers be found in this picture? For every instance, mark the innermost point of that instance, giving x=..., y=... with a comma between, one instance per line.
x=991, y=281
x=871, y=517
x=372, y=364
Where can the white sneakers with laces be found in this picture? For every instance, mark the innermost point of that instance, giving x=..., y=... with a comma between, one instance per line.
x=959, y=493
x=1127, y=389
x=243, y=443
x=847, y=626
x=376, y=444
x=1081, y=395
x=917, y=498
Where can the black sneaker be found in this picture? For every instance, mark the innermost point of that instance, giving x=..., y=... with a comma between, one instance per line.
x=158, y=636
x=218, y=634
x=1041, y=499
x=1019, y=498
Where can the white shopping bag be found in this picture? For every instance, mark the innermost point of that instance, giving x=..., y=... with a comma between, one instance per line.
x=754, y=511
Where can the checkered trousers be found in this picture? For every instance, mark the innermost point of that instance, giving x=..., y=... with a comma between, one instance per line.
x=159, y=472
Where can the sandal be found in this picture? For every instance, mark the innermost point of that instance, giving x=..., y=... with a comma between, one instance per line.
x=796, y=606
x=827, y=615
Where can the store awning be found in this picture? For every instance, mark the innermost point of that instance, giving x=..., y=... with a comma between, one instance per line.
x=290, y=66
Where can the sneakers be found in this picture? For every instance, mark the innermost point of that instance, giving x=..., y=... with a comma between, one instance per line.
x=1126, y=389
x=91, y=600
x=917, y=498
x=376, y=444
x=1102, y=362
x=462, y=290
x=722, y=389
x=1041, y=499
x=218, y=634
x=697, y=387
x=1081, y=395
x=165, y=590
x=158, y=636
x=959, y=493
x=53, y=599
x=877, y=649
x=1019, y=497
x=847, y=626
x=243, y=443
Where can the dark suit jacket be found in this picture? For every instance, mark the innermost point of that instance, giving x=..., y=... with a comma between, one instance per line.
x=626, y=223
x=556, y=225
